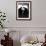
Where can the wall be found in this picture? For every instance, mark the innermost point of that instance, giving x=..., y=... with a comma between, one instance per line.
x=38, y=22
x=38, y=14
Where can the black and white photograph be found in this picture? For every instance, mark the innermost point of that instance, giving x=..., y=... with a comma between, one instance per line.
x=23, y=10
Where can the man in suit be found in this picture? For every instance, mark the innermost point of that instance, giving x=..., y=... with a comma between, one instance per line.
x=23, y=12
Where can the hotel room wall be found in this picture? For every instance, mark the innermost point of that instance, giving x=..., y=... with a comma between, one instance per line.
x=38, y=22
x=38, y=13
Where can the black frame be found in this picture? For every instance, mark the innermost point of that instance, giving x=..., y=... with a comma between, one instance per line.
x=30, y=10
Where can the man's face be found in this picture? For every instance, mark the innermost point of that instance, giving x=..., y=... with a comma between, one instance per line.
x=23, y=8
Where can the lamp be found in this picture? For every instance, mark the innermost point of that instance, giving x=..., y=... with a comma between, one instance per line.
x=7, y=31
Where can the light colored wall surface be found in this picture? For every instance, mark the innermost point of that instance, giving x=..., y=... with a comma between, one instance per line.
x=38, y=14
x=38, y=22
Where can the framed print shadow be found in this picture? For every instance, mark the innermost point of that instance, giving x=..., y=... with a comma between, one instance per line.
x=23, y=10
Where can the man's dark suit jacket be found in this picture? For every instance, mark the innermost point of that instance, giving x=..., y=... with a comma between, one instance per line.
x=23, y=13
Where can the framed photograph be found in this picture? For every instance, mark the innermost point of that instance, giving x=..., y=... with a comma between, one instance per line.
x=23, y=10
